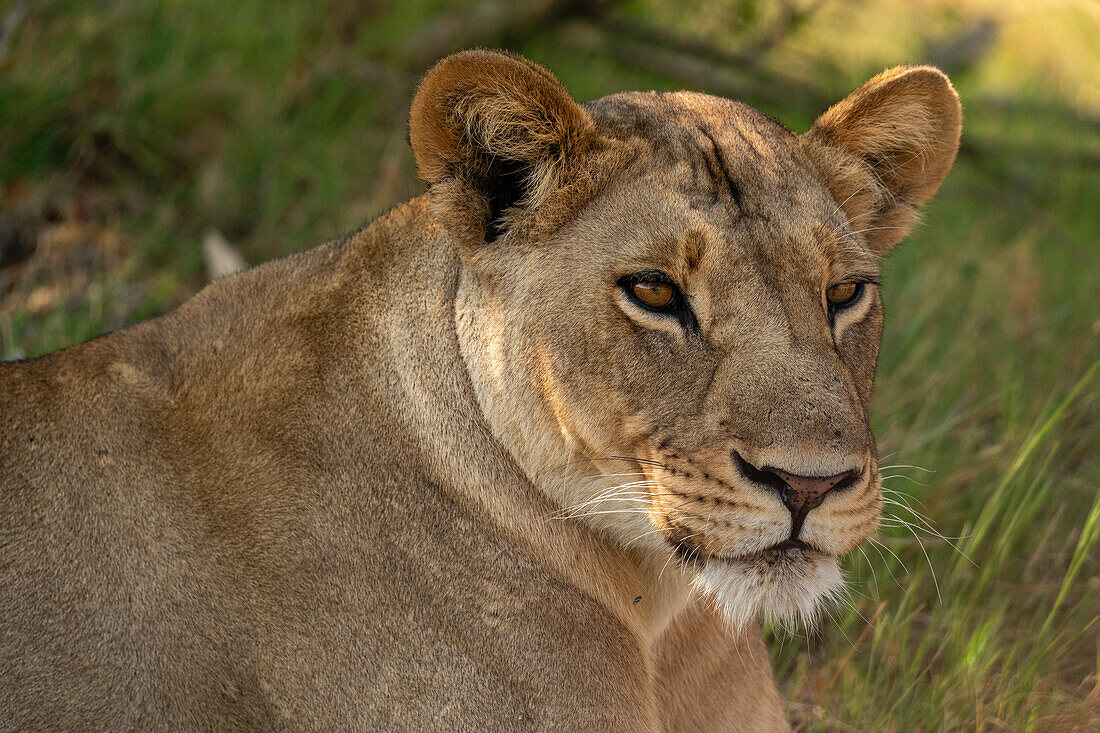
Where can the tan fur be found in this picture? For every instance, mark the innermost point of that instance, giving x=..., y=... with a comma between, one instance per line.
x=887, y=148
x=418, y=480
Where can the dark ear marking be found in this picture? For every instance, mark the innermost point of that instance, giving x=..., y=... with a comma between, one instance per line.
x=503, y=188
x=494, y=132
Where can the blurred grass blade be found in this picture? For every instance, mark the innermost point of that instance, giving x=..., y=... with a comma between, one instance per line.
x=1089, y=535
x=997, y=503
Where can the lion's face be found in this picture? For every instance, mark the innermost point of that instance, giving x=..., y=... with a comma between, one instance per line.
x=684, y=358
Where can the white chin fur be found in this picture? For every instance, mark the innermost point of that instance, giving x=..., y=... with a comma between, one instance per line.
x=790, y=588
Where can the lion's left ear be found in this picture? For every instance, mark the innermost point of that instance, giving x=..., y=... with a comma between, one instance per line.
x=492, y=131
x=885, y=148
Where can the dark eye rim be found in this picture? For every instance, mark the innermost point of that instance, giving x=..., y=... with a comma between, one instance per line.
x=852, y=300
x=627, y=283
x=677, y=307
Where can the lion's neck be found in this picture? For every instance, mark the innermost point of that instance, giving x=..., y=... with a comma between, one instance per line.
x=548, y=482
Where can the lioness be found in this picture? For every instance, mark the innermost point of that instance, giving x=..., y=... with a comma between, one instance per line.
x=532, y=451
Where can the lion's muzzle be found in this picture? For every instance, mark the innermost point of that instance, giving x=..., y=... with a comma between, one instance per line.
x=800, y=494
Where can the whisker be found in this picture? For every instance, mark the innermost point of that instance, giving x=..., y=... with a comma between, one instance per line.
x=878, y=547
x=910, y=479
x=599, y=476
x=871, y=567
x=673, y=555
x=875, y=229
x=879, y=544
x=606, y=511
x=906, y=465
x=922, y=519
x=651, y=530
x=643, y=461
x=628, y=497
x=931, y=569
x=904, y=494
x=898, y=498
x=610, y=494
x=913, y=529
x=911, y=510
x=856, y=609
x=895, y=521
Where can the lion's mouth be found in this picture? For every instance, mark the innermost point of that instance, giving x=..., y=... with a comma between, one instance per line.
x=789, y=554
x=789, y=550
x=790, y=544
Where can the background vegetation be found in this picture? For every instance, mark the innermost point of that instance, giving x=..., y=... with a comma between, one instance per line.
x=129, y=128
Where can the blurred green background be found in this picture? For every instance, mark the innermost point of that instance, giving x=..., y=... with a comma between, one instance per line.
x=129, y=129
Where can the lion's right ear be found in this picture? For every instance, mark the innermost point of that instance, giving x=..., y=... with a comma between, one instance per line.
x=499, y=126
x=886, y=147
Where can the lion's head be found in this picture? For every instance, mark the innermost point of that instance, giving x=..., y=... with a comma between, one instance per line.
x=669, y=305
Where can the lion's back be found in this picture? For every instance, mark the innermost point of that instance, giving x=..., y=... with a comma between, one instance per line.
x=205, y=522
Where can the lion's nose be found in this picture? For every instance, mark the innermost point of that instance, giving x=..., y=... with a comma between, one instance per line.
x=800, y=494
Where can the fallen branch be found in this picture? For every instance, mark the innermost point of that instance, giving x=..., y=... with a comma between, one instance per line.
x=745, y=61
x=507, y=24
x=735, y=82
x=11, y=22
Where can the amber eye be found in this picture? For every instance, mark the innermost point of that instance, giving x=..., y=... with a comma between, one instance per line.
x=653, y=293
x=843, y=294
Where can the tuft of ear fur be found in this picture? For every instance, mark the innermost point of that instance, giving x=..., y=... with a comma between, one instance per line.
x=885, y=148
x=499, y=126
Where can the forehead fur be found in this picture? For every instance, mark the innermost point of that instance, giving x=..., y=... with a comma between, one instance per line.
x=661, y=116
x=719, y=153
x=732, y=165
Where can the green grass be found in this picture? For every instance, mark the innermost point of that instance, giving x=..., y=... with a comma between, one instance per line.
x=129, y=128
